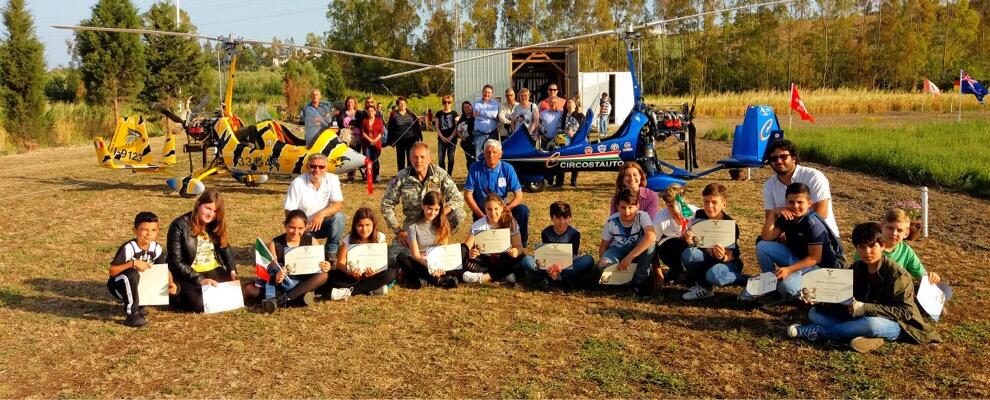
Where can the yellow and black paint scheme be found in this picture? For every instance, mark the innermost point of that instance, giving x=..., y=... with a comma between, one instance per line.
x=269, y=148
x=129, y=148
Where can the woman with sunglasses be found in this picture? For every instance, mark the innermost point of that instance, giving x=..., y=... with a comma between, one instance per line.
x=445, y=123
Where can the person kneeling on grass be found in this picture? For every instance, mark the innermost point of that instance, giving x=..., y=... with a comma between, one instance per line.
x=883, y=305
x=628, y=237
x=560, y=231
x=345, y=280
x=297, y=289
x=483, y=268
x=716, y=265
x=431, y=229
x=132, y=258
x=809, y=244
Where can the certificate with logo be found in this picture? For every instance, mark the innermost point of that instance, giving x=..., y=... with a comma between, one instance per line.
x=367, y=255
x=493, y=241
x=446, y=257
x=709, y=232
x=827, y=285
x=548, y=254
x=224, y=296
x=613, y=276
x=153, y=286
x=304, y=260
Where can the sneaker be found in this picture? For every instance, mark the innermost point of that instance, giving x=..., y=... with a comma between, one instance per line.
x=135, y=320
x=476, y=277
x=309, y=299
x=339, y=294
x=543, y=285
x=698, y=292
x=423, y=282
x=745, y=296
x=864, y=344
x=269, y=306
x=447, y=282
x=511, y=278
x=380, y=291
x=809, y=332
x=143, y=311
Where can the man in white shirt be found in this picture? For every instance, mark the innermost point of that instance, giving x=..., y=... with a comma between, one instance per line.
x=318, y=194
x=783, y=157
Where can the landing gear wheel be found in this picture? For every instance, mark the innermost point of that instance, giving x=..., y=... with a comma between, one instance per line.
x=536, y=187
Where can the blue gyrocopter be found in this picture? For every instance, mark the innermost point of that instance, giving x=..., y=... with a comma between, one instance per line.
x=634, y=141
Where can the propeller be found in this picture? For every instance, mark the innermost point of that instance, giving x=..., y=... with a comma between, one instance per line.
x=239, y=40
x=589, y=35
x=168, y=113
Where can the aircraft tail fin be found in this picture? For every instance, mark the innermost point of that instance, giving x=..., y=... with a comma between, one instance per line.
x=129, y=147
x=168, y=150
x=749, y=142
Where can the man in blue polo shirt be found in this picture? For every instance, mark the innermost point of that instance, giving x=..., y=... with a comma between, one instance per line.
x=485, y=119
x=491, y=175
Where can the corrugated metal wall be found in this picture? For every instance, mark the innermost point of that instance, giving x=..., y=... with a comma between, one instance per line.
x=471, y=76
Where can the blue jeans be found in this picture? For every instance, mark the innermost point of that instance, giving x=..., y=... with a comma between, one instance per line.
x=331, y=230
x=445, y=153
x=603, y=124
x=771, y=254
x=643, y=262
x=521, y=214
x=705, y=270
x=271, y=287
x=581, y=264
x=839, y=330
x=479, y=145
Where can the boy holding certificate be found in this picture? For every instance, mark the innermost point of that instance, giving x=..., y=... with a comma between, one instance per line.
x=134, y=257
x=792, y=247
x=717, y=264
x=628, y=237
x=560, y=231
x=883, y=305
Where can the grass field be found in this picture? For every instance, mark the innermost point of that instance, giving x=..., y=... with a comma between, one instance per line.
x=64, y=218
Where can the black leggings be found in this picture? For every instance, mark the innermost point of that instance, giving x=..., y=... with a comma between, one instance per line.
x=307, y=283
x=669, y=252
x=191, y=293
x=497, y=266
x=341, y=280
x=402, y=155
x=414, y=269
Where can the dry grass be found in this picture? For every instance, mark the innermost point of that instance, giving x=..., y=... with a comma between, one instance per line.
x=63, y=336
x=823, y=101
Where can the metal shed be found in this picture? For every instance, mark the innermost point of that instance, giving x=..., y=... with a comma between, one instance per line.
x=533, y=68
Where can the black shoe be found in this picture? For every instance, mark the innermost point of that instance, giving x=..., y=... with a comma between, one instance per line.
x=542, y=284
x=143, y=311
x=135, y=320
x=447, y=282
x=269, y=306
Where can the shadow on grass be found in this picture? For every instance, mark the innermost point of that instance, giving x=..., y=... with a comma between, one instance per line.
x=694, y=322
x=157, y=187
x=63, y=298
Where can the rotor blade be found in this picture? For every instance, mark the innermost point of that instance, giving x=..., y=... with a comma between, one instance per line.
x=137, y=31
x=590, y=35
x=348, y=53
x=202, y=104
x=167, y=113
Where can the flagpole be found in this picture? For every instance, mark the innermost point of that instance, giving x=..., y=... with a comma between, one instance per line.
x=959, y=96
x=790, y=119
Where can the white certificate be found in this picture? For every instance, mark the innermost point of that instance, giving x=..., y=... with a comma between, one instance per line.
x=493, y=241
x=446, y=257
x=548, y=254
x=761, y=284
x=612, y=275
x=304, y=260
x=827, y=285
x=709, y=232
x=153, y=286
x=224, y=296
x=367, y=255
x=931, y=298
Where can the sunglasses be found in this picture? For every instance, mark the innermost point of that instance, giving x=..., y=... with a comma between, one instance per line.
x=448, y=102
x=553, y=90
x=314, y=166
x=779, y=157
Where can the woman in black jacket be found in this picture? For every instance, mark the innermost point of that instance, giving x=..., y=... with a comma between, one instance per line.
x=403, y=131
x=198, y=250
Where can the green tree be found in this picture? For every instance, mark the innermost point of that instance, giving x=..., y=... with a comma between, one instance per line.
x=297, y=80
x=176, y=65
x=112, y=64
x=22, y=74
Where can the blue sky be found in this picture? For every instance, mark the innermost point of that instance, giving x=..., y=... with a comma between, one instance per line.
x=255, y=19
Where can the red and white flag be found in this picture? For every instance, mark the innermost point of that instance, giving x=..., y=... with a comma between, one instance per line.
x=798, y=105
x=930, y=87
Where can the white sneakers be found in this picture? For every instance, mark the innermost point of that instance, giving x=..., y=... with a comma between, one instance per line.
x=476, y=277
x=340, y=294
x=380, y=291
x=698, y=292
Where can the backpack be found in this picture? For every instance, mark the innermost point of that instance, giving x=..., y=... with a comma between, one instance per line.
x=834, y=244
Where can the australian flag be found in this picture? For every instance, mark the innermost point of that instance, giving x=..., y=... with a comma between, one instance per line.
x=969, y=85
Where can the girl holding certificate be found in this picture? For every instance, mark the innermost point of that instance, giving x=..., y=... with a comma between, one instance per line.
x=483, y=268
x=345, y=280
x=198, y=251
x=297, y=288
x=431, y=229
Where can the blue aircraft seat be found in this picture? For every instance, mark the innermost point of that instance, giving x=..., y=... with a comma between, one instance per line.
x=749, y=142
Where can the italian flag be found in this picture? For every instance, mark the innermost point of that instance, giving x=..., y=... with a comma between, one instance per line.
x=262, y=258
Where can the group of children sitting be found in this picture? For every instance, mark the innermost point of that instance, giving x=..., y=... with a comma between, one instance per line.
x=790, y=245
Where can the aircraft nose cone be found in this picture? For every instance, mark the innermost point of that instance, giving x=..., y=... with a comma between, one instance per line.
x=352, y=160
